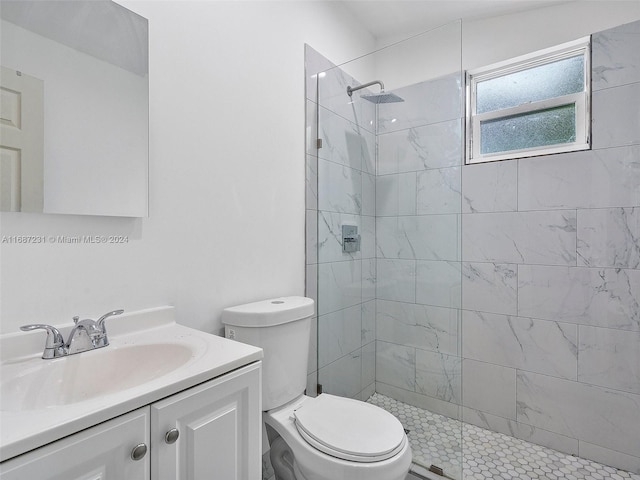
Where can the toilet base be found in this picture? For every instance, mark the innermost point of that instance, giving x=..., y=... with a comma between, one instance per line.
x=284, y=466
x=282, y=460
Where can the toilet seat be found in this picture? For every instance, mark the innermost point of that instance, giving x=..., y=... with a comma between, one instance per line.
x=349, y=429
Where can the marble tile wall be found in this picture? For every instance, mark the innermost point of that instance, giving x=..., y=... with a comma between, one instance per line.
x=418, y=246
x=508, y=293
x=551, y=280
x=340, y=191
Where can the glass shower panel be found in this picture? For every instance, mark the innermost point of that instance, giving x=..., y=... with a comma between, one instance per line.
x=389, y=313
x=346, y=201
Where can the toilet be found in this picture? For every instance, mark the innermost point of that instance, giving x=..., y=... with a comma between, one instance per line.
x=313, y=438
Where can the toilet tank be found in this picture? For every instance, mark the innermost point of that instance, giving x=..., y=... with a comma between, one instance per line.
x=281, y=327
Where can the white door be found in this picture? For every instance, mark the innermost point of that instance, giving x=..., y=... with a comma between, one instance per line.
x=103, y=452
x=21, y=142
x=219, y=430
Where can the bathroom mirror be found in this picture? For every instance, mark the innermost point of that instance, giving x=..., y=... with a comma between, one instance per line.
x=74, y=135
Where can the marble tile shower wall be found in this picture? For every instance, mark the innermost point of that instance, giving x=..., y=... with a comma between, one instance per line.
x=557, y=240
x=418, y=250
x=343, y=284
x=506, y=294
x=547, y=286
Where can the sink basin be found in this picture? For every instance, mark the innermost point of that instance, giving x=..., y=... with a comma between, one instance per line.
x=76, y=378
x=150, y=357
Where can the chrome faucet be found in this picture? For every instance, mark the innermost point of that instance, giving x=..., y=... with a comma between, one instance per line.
x=54, y=346
x=86, y=335
x=101, y=320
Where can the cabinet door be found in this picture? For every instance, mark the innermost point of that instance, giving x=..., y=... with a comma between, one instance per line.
x=102, y=452
x=220, y=430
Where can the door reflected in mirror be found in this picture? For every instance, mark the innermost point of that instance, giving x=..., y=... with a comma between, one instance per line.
x=74, y=130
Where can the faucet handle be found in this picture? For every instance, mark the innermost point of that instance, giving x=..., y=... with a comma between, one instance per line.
x=100, y=321
x=54, y=345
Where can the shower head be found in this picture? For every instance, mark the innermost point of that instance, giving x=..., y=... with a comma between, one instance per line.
x=382, y=97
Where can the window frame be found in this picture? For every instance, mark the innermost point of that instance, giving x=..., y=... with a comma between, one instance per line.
x=581, y=100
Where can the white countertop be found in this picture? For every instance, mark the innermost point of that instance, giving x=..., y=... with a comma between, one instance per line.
x=22, y=430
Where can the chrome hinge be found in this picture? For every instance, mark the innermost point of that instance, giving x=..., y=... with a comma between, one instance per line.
x=319, y=143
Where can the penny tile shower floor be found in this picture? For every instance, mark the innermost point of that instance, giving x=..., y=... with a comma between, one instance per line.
x=435, y=439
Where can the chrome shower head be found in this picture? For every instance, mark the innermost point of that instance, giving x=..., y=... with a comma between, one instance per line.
x=382, y=97
x=377, y=98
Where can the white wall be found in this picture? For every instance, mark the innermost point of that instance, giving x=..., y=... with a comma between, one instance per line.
x=226, y=220
x=489, y=40
x=486, y=41
x=227, y=168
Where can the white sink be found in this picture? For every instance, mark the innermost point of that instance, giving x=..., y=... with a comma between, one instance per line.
x=150, y=357
x=83, y=376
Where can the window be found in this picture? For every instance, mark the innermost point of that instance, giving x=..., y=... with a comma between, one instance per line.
x=532, y=105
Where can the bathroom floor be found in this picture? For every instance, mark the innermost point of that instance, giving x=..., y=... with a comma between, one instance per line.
x=435, y=439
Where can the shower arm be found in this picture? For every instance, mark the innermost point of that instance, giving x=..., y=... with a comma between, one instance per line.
x=350, y=89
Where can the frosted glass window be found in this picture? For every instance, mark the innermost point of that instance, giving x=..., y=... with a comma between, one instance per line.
x=532, y=105
x=527, y=130
x=538, y=83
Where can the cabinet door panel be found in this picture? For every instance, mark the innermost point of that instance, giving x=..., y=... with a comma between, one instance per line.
x=102, y=452
x=212, y=444
x=220, y=425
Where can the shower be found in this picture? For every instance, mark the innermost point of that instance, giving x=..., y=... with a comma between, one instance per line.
x=435, y=319
x=382, y=97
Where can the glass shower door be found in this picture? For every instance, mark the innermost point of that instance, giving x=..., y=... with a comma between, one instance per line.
x=388, y=313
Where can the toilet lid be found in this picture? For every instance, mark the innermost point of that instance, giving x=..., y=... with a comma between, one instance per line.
x=349, y=429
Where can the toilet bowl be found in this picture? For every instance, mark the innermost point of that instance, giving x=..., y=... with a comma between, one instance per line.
x=313, y=438
x=339, y=438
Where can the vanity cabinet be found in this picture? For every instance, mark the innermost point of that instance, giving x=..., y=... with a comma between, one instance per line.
x=102, y=452
x=218, y=426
